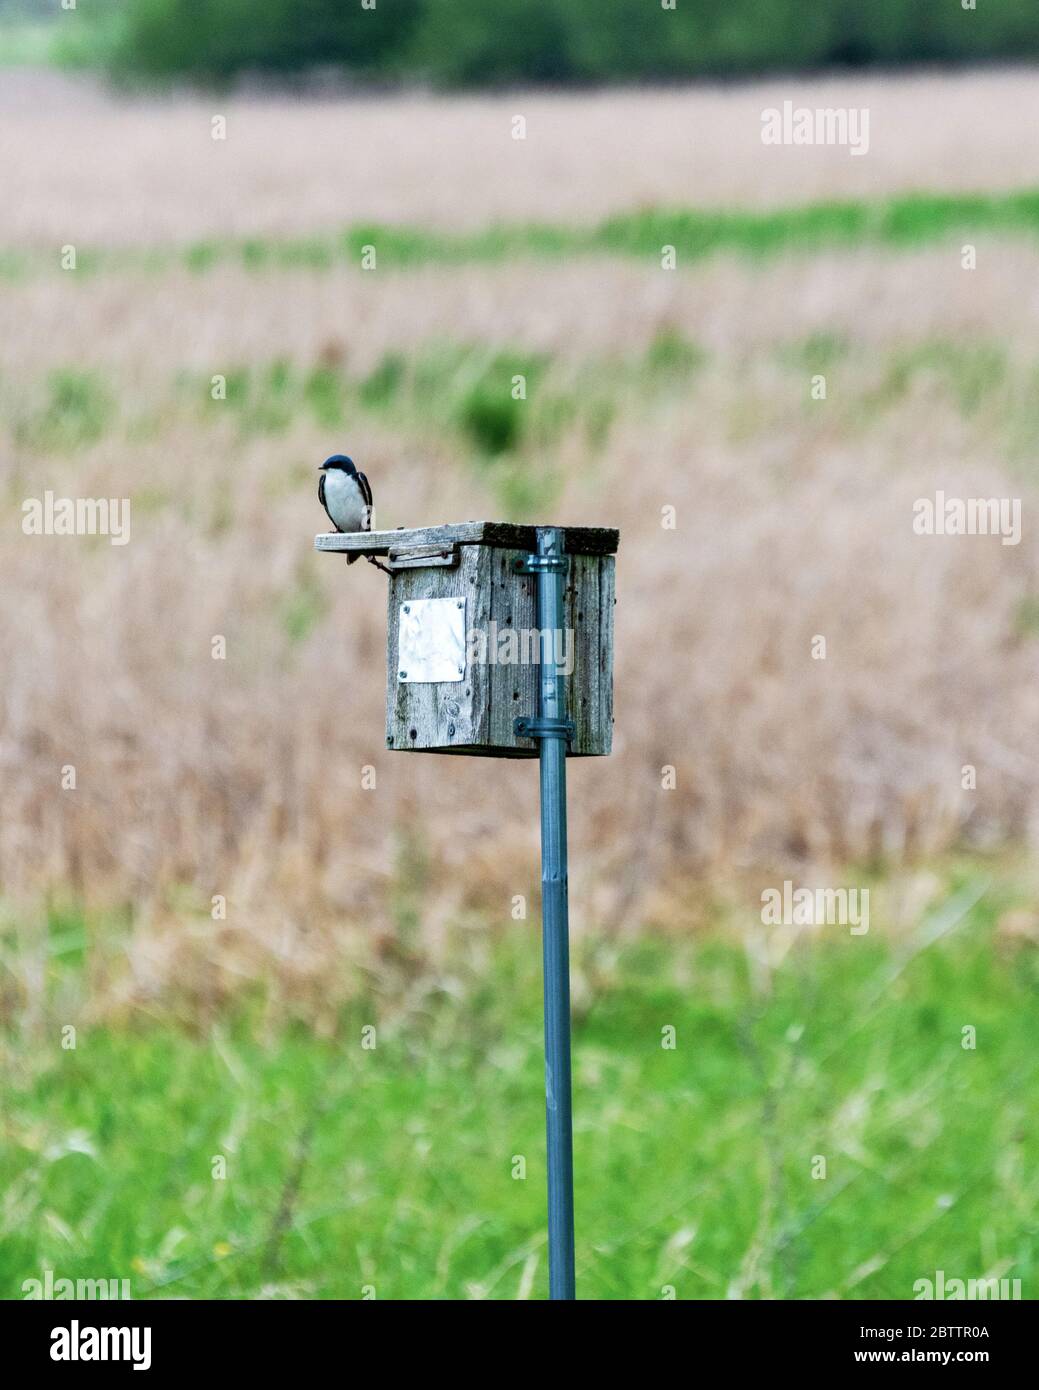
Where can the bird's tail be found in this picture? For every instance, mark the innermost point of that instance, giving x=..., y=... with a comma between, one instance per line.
x=351, y=558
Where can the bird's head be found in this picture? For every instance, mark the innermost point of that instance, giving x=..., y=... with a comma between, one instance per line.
x=339, y=461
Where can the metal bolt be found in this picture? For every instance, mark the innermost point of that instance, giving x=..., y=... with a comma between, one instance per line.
x=461, y=670
x=402, y=674
x=407, y=608
x=450, y=731
x=461, y=603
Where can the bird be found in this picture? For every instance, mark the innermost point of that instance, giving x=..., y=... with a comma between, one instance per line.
x=346, y=496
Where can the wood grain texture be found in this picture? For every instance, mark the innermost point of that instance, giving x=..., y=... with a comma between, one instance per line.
x=475, y=716
x=580, y=540
x=434, y=714
x=588, y=601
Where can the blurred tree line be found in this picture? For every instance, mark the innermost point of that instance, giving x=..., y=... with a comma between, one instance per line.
x=459, y=42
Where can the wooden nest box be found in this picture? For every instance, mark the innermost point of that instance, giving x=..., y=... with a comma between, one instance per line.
x=463, y=645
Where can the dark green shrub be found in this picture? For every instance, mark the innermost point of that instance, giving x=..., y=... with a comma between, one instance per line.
x=486, y=42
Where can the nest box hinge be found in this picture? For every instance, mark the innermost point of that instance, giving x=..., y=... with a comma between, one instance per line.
x=542, y=564
x=409, y=557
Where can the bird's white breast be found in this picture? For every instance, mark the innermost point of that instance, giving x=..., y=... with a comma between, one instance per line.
x=344, y=500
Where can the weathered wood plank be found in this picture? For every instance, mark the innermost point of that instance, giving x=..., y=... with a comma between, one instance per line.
x=581, y=605
x=512, y=687
x=580, y=540
x=588, y=606
x=607, y=603
x=432, y=714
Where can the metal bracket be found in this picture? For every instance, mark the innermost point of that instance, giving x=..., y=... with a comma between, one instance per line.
x=542, y=564
x=533, y=726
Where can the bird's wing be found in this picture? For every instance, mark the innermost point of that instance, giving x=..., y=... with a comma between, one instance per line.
x=366, y=493
x=321, y=498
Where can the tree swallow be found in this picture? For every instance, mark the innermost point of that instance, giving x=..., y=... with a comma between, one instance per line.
x=346, y=496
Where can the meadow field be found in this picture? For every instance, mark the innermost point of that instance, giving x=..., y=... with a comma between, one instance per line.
x=350, y=906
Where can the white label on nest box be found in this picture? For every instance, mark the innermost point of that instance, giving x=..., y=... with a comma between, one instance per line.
x=431, y=640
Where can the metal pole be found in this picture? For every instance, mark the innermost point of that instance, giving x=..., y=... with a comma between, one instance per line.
x=555, y=922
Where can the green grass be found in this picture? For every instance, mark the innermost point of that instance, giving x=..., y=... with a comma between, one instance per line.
x=27, y=44
x=467, y=394
x=392, y=1167
x=74, y=409
x=471, y=394
x=917, y=219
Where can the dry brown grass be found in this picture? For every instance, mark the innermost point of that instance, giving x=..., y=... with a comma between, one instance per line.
x=147, y=326
x=243, y=777
x=82, y=167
